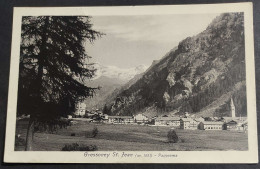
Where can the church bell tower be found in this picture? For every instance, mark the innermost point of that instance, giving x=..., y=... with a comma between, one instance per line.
x=233, y=109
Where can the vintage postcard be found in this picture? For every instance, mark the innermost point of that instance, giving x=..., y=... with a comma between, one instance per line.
x=142, y=84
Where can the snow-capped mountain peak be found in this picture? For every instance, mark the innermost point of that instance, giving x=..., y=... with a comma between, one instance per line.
x=124, y=74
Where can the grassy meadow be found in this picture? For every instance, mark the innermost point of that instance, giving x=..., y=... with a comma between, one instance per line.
x=118, y=137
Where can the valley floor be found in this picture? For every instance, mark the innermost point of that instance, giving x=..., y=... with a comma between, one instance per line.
x=135, y=138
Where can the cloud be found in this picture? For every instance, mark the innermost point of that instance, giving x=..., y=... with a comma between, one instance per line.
x=134, y=40
x=156, y=29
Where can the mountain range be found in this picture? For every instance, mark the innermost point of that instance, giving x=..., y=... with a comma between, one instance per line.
x=109, y=78
x=199, y=76
x=113, y=72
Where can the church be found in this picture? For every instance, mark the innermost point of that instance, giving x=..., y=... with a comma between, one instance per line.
x=233, y=122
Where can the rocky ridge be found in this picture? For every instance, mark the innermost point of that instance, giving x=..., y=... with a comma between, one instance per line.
x=199, y=77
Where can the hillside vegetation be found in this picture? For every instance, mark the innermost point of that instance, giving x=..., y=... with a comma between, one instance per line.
x=199, y=77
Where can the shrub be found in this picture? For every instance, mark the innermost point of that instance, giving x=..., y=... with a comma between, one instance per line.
x=77, y=147
x=172, y=136
x=73, y=134
x=94, y=132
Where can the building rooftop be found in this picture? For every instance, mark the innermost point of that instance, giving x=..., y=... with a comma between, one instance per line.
x=213, y=122
x=168, y=118
x=234, y=118
x=121, y=117
x=200, y=119
x=186, y=119
x=232, y=122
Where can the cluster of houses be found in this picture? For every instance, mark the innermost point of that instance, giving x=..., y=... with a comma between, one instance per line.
x=187, y=122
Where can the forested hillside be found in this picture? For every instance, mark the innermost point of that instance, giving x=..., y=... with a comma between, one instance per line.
x=200, y=76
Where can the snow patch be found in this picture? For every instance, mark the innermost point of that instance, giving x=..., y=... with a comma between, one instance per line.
x=118, y=73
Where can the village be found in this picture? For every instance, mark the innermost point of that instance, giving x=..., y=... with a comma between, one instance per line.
x=186, y=93
x=186, y=122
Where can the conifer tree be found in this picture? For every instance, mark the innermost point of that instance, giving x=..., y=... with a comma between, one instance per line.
x=53, y=67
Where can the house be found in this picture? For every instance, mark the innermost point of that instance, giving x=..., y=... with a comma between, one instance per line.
x=235, y=123
x=80, y=109
x=188, y=123
x=120, y=119
x=174, y=121
x=170, y=121
x=152, y=120
x=237, y=119
x=105, y=116
x=210, y=125
x=141, y=118
x=161, y=121
x=231, y=125
x=244, y=125
x=236, y=126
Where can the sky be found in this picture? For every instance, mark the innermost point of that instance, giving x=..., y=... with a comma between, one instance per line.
x=130, y=41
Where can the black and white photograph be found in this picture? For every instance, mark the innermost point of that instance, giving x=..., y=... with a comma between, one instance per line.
x=127, y=86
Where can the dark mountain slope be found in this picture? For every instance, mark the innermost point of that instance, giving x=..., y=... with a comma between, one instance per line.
x=200, y=76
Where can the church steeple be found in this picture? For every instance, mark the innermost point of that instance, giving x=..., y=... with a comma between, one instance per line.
x=233, y=109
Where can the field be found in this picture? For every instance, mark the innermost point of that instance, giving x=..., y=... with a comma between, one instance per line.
x=135, y=138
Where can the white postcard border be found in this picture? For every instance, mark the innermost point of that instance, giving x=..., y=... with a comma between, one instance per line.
x=250, y=156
